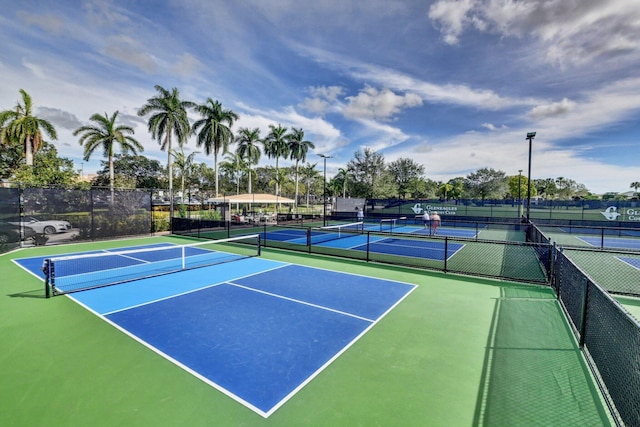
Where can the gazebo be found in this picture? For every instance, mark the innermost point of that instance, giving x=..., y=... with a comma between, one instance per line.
x=250, y=199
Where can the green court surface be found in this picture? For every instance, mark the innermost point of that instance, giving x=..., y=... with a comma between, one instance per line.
x=458, y=351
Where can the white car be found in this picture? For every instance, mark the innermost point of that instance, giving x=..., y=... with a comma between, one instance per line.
x=45, y=227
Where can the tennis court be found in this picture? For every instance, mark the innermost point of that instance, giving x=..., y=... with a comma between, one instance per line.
x=258, y=332
x=403, y=346
x=351, y=236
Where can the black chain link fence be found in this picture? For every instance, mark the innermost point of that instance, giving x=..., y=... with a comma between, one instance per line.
x=609, y=337
x=44, y=216
x=583, y=279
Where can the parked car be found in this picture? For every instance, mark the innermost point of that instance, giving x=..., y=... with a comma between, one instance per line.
x=45, y=227
x=10, y=233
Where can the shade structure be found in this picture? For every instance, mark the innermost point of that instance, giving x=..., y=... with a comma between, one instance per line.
x=251, y=198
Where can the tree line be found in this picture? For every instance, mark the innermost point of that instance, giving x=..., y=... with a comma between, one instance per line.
x=28, y=158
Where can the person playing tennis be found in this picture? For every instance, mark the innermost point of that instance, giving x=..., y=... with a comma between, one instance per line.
x=425, y=218
x=435, y=222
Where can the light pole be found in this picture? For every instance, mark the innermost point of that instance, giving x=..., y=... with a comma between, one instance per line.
x=324, y=194
x=530, y=136
x=520, y=193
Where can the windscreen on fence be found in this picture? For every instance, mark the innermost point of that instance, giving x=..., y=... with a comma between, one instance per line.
x=11, y=232
x=63, y=215
x=608, y=334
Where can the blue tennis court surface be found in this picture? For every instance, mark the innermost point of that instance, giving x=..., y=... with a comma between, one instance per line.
x=430, y=249
x=634, y=262
x=255, y=329
x=611, y=242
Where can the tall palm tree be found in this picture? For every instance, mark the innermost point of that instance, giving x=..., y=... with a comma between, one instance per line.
x=248, y=149
x=105, y=133
x=276, y=146
x=215, y=130
x=298, y=149
x=22, y=126
x=169, y=118
x=635, y=185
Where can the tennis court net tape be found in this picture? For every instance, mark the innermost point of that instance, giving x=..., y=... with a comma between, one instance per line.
x=333, y=232
x=85, y=271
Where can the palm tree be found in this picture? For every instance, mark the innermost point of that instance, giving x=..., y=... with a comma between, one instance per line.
x=234, y=165
x=20, y=125
x=275, y=145
x=248, y=148
x=169, y=117
x=215, y=130
x=105, y=133
x=298, y=149
x=635, y=185
x=184, y=165
x=343, y=175
x=309, y=176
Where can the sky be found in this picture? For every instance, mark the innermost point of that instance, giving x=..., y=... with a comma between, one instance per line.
x=454, y=85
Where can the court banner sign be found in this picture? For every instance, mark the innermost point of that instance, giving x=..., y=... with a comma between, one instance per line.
x=612, y=213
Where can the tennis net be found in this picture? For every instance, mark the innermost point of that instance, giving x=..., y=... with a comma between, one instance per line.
x=91, y=270
x=333, y=232
x=389, y=224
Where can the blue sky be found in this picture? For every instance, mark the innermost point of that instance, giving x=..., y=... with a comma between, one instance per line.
x=453, y=85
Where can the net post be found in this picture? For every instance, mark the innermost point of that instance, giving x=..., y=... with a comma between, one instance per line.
x=309, y=239
x=259, y=245
x=184, y=258
x=368, y=244
x=47, y=282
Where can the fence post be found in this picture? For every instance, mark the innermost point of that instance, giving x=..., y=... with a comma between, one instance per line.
x=583, y=316
x=446, y=251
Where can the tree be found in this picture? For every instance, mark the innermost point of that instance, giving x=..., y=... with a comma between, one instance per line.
x=169, y=117
x=185, y=166
x=457, y=190
x=276, y=146
x=486, y=183
x=343, y=176
x=234, y=166
x=248, y=149
x=518, y=187
x=635, y=185
x=309, y=175
x=367, y=169
x=105, y=134
x=545, y=187
x=142, y=171
x=404, y=172
x=47, y=169
x=280, y=177
x=298, y=149
x=20, y=125
x=214, y=130
x=10, y=158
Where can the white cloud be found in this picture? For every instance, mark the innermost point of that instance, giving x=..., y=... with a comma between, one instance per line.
x=452, y=17
x=553, y=109
x=379, y=104
x=491, y=126
x=571, y=32
x=59, y=117
x=49, y=22
x=186, y=65
x=129, y=50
